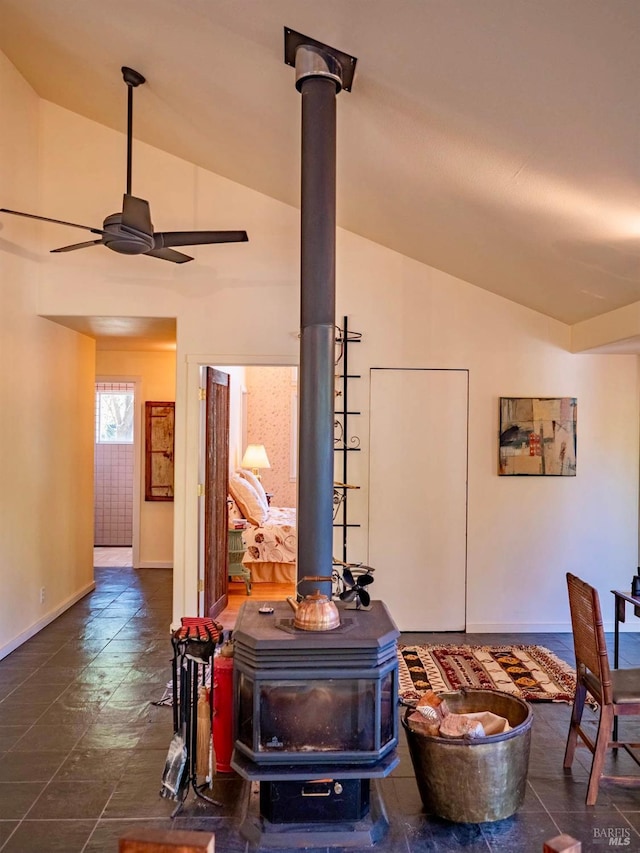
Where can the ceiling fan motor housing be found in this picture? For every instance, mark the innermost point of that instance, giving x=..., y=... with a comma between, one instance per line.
x=126, y=241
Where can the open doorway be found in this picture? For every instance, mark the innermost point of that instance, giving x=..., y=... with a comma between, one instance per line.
x=261, y=552
x=115, y=464
x=141, y=350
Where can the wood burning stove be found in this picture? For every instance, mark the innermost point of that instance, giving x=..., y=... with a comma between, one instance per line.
x=316, y=713
x=315, y=698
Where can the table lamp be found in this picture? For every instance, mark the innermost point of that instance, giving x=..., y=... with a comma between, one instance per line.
x=255, y=457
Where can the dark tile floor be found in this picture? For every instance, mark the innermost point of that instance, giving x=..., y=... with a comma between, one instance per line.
x=82, y=748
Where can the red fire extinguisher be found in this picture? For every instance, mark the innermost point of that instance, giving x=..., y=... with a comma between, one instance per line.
x=223, y=708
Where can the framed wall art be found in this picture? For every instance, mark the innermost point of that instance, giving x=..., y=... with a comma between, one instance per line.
x=538, y=436
x=158, y=452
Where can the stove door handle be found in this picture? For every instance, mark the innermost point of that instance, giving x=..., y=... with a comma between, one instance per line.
x=316, y=791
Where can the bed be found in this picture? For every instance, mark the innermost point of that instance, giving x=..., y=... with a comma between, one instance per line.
x=270, y=535
x=271, y=547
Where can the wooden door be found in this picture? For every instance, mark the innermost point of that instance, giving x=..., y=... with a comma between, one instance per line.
x=216, y=486
x=418, y=496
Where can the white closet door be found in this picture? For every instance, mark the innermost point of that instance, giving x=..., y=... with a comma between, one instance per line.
x=418, y=496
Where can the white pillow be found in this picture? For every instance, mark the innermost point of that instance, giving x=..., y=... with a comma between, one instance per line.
x=247, y=499
x=250, y=477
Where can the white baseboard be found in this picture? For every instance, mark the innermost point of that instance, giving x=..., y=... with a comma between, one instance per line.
x=631, y=625
x=155, y=564
x=33, y=629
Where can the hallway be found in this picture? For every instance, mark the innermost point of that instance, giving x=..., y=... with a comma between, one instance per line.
x=112, y=557
x=82, y=749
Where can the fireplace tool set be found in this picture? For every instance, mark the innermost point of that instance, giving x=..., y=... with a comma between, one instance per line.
x=192, y=699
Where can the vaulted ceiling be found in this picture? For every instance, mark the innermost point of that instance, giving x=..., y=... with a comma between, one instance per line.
x=497, y=140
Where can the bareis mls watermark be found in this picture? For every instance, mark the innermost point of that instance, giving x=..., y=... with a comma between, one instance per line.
x=614, y=836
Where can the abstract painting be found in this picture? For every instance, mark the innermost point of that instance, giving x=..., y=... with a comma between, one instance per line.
x=538, y=436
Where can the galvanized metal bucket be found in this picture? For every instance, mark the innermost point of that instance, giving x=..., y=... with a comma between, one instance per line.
x=474, y=780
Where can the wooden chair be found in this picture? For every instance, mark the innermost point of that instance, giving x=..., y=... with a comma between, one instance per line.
x=617, y=691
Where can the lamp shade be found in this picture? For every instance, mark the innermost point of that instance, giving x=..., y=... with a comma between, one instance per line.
x=255, y=457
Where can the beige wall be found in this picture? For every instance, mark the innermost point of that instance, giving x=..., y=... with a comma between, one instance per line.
x=270, y=391
x=46, y=400
x=238, y=305
x=156, y=373
x=524, y=534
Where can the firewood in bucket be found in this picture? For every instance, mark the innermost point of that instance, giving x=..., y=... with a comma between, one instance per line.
x=428, y=714
x=432, y=706
x=432, y=717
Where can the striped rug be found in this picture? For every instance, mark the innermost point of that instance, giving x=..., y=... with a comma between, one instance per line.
x=532, y=673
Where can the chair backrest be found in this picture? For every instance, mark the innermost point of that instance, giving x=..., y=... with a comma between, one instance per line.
x=588, y=634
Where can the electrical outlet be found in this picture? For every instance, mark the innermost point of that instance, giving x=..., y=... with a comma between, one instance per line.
x=41, y=595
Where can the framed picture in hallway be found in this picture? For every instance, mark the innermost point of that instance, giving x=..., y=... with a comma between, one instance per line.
x=538, y=436
x=158, y=452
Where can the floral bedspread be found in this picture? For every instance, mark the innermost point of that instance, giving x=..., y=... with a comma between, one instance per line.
x=275, y=541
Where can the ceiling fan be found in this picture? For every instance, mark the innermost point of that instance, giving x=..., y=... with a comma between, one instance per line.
x=131, y=232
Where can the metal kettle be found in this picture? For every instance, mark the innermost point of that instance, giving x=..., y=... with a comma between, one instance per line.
x=315, y=612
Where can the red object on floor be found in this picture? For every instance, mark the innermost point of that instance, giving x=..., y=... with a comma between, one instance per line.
x=223, y=711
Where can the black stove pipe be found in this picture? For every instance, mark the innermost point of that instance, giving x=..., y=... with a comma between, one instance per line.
x=318, y=80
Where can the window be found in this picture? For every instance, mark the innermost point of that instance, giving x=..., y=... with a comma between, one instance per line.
x=114, y=416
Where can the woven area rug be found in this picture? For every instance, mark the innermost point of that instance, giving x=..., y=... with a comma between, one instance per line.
x=530, y=672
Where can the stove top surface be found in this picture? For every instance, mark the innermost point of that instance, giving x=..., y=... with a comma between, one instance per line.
x=372, y=627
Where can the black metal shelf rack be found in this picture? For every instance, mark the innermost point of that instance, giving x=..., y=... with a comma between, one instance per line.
x=344, y=442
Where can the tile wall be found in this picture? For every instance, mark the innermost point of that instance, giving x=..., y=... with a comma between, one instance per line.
x=113, y=477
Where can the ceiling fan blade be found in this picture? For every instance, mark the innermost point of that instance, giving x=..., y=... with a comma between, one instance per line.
x=56, y=221
x=136, y=214
x=198, y=238
x=77, y=246
x=169, y=255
